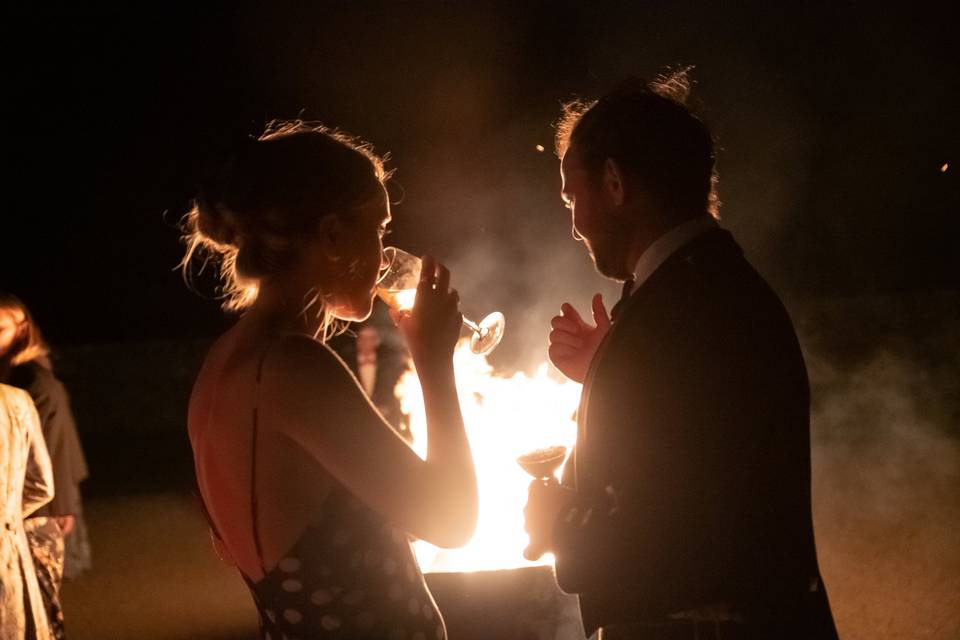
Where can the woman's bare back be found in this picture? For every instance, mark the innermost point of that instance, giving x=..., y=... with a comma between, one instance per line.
x=290, y=484
x=315, y=429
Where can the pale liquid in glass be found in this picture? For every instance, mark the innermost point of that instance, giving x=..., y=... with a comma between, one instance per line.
x=398, y=299
x=398, y=291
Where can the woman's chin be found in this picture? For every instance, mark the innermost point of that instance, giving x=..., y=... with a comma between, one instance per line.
x=356, y=313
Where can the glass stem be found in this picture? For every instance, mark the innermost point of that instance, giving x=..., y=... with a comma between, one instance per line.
x=470, y=324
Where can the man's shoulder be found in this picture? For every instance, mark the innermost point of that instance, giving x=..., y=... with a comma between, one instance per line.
x=704, y=291
x=712, y=269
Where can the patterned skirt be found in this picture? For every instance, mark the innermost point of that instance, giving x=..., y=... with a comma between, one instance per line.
x=46, y=547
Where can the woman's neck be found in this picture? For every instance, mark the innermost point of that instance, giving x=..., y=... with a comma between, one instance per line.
x=280, y=310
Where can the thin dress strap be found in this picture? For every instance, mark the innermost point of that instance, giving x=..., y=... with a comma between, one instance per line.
x=253, y=468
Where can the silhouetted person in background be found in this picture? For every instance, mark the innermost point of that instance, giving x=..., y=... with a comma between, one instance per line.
x=310, y=492
x=685, y=508
x=375, y=353
x=25, y=363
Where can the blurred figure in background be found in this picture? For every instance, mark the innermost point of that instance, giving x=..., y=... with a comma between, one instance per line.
x=368, y=340
x=26, y=484
x=54, y=531
x=375, y=353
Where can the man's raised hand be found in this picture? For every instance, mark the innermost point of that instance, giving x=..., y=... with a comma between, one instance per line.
x=573, y=342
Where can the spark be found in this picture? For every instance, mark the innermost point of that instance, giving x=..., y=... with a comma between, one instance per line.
x=539, y=148
x=944, y=168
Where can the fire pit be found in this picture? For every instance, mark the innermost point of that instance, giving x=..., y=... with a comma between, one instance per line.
x=510, y=604
x=487, y=589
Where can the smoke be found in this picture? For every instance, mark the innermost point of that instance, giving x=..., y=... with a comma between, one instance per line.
x=529, y=287
x=886, y=461
x=496, y=219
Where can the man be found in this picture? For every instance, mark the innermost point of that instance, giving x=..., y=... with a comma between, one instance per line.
x=685, y=507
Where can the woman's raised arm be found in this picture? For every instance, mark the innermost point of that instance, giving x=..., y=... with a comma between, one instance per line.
x=308, y=394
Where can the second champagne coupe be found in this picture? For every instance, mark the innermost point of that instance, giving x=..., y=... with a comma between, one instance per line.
x=541, y=464
x=398, y=289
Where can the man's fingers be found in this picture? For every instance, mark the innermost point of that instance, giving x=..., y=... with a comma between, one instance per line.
x=600, y=315
x=565, y=338
x=560, y=352
x=532, y=554
x=563, y=323
x=567, y=310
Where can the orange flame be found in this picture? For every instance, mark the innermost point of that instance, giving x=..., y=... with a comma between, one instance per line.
x=505, y=417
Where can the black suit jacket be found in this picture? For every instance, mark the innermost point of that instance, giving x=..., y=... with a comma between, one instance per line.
x=692, y=464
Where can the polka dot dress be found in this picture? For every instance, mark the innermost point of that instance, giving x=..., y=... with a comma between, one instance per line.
x=349, y=576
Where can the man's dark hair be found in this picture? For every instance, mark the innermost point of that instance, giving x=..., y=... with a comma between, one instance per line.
x=647, y=129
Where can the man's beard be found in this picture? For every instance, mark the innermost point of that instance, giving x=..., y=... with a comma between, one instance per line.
x=609, y=251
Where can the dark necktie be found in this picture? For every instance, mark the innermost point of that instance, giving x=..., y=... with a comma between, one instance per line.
x=624, y=296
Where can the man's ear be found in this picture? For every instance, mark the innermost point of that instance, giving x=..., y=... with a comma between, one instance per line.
x=330, y=232
x=612, y=182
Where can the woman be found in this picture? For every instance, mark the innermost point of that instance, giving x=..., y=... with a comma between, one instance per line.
x=26, y=484
x=24, y=363
x=309, y=491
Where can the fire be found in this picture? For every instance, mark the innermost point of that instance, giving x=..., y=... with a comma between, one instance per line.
x=405, y=298
x=505, y=417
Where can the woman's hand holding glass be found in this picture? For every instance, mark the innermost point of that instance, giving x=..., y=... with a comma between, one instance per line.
x=432, y=326
x=396, y=288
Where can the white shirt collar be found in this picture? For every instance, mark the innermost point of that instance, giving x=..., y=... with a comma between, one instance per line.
x=668, y=244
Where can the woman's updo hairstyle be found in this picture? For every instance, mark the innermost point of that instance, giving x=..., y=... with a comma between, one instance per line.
x=256, y=207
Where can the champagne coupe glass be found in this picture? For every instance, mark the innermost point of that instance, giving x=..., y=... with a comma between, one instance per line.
x=397, y=287
x=542, y=464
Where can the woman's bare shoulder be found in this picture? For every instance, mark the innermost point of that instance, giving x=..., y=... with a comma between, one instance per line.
x=301, y=354
x=297, y=364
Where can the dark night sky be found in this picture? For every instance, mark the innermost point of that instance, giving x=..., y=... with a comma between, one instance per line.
x=833, y=122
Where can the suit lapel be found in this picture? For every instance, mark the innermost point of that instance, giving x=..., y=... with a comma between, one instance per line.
x=627, y=306
x=595, y=364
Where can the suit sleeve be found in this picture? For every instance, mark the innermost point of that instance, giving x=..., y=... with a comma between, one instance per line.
x=576, y=527
x=603, y=542
x=582, y=537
